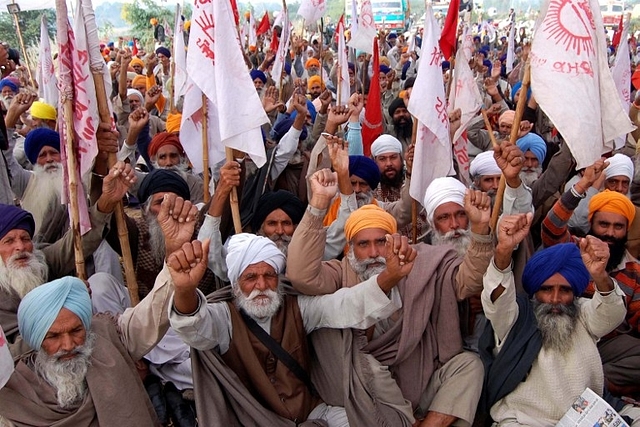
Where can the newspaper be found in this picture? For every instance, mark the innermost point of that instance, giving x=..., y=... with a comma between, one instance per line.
x=590, y=410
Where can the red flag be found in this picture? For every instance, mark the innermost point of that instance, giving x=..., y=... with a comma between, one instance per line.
x=372, y=126
x=340, y=21
x=273, y=47
x=236, y=15
x=264, y=25
x=450, y=31
x=134, y=51
x=617, y=34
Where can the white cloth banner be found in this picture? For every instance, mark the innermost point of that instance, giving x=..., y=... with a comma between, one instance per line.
x=253, y=38
x=180, y=59
x=362, y=37
x=621, y=72
x=47, y=81
x=342, y=85
x=312, y=10
x=6, y=361
x=569, y=62
x=283, y=49
x=218, y=70
x=511, y=54
x=433, y=153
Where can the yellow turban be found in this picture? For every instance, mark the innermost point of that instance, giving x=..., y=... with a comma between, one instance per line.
x=173, y=122
x=136, y=61
x=40, y=110
x=369, y=216
x=612, y=202
x=139, y=80
x=384, y=60
x=312, y=62
x=187, y=25
x=313, y=80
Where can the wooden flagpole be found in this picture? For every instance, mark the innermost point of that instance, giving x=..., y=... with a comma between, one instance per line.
x=414, y=203
x=233, y=198
x=205, y=148
x=24, y=51
x=513, y=137
x=320, y=51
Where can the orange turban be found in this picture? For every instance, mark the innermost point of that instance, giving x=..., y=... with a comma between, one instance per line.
x=164, y=138
x=369, y=216
x=173, y=122
x=136, y=61
x=612, y=202
x=139, y=80
x=312, y=62
x=313, y=80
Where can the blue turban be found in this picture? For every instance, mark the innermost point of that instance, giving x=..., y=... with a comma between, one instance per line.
x=40, y=308
x=282, y=126
x=257, y=74
x=310, y=108
x=365, y=168
x=38, y=138
x=487, y=64
x=14, y=218
x=446, y=65
x=163, y=50
x=351, y=66
x=287, y=68
x=533, y=142
x=163, y=181
x=8, y=83
x=563, y=258
x=516, y=87
x=384, y=69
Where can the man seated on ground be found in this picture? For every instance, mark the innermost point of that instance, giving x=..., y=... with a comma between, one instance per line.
x=610, y=214
x=23, y=266
x=541, y=353
x=234, y=332
x=82, y=370
x=407, y=341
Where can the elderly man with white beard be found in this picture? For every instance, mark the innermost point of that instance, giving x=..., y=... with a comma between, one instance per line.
x=252, y=326
x=540, y=353
x=82, y=371
x=23, y=266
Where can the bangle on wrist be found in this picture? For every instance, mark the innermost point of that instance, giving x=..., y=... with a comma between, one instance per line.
x=575, y=192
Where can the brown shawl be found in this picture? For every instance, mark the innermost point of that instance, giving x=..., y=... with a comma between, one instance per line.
x=428, y=334
x=341, y=373
x=116, y=395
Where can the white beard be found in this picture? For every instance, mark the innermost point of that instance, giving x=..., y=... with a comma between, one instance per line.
x=530, y=176
x=22, y=279
x=556, y=328
x=364, y=268
x=43, y=192
x=67, y=377
x=181, y=168
x=156, y=238
x=459, y=239
x=281, y=240
x=364, y=198
x=258, y=308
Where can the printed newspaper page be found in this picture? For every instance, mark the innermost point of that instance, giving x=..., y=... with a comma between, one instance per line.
x=590, y=410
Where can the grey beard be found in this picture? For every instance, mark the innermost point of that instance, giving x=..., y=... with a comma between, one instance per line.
x=181, y=168
x=363, y=198
x=23, y=279
x=556, y=328
x=258, y=309
x=281, y=240
x=530, y=176
x=459, y=239
x=364, y=268
x=67, y=377
x=156, y=238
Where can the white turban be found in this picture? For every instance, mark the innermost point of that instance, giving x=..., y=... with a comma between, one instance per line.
x=484, y=164
x=443, y=190
x=246, y=249
x=619, y=164
x=385, y=144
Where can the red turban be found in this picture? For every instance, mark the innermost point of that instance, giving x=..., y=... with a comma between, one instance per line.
x=164, y=138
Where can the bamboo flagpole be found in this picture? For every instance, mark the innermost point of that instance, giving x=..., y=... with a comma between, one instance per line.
x=513, y=137
x=205, y=148
x=97, y=70
x=24, y=51
x=233, y=198
x=414, y=203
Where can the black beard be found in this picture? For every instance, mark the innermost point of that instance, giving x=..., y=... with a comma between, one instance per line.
x=617, y=250
x=403, y=131
x=395, y=182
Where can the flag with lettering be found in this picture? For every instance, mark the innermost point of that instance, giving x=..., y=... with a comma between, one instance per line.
x=343, y=87
x=362, y=37
x=47, y=81
x=312, y=10
x=569, y=62
x=621, y=72
x=450, y=31
x=372, y=124
x=283, y=49
x=428, y=104
x=6, y=361
x=466, y=97
x=179, y=57
x=467, y=43
x=218, y=71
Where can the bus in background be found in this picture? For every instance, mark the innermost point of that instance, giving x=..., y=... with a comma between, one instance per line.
x=611, y=11
x=387, y=14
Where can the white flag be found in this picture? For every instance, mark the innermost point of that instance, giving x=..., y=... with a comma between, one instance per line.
x=283, y=49
x=428, y=104
x=6, y=361
x=465, y=95
x=343, y=87
x=354, y=16
x=180, y=58
x=218, y=70
x=467, y=43
x=362, y=38
x=511, y=55
x=312, y=10
x=621, y=72
x=569, y=62
x=253, y=38
x=47, y=81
